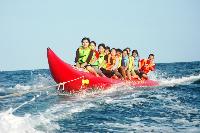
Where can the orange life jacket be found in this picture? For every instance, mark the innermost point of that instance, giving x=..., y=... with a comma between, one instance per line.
x=111, y=61
x=146, y=66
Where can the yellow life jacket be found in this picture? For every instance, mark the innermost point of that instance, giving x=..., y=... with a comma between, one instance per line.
x=120, y=61
x=101, y=58
x=83, y=54
x=101, y=61
x=130, y=65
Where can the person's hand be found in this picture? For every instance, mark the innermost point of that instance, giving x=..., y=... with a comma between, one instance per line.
x=126, y=68
x=83, y=65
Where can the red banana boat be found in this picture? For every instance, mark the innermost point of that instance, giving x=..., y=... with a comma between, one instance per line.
x=75, y=80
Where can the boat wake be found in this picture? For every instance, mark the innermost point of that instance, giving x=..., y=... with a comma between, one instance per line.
x=44, y=111
x=179, y=81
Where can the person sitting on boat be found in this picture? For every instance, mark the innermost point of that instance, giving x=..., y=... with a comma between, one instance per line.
x=119, y=55
x=107, y=52
x=93, y=65
x=113, y=63
x=101, y=61
x=124, y=63
x=146, y=66
x=128, y=50
x=104, y=51
x=134, y=62
x=83, y=53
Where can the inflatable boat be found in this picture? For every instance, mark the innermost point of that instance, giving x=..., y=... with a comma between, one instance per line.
x=72, y=79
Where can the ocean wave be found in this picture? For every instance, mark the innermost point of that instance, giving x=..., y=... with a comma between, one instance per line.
x=176, y=81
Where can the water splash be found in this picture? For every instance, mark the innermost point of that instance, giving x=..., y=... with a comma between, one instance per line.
x=177, y=81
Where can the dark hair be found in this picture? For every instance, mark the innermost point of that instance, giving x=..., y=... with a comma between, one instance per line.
x=128, y=49
x=102, y=45
x=113, y=49
x=94, y=43
x=135, y=51
x=125, y=50
x=107, y=47
x=119, y=50
x=85, y=38
x=151, y=55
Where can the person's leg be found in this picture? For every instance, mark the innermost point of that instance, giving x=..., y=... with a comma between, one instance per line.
x=123, y=72
x=136, y=72
x=91, y=69
x=107, y=73
x=142, y=75
x=128, y=74
x=99, y=71
x=133, y=73
x=117, y=74
x=78, y=65
x=120, y=70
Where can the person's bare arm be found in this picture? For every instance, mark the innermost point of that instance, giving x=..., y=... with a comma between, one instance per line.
x=77, y=55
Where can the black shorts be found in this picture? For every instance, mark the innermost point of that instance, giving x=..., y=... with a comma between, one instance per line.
x=107, y=73
x=140, y=73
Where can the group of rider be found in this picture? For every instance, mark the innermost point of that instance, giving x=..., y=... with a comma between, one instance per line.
x=115, y=63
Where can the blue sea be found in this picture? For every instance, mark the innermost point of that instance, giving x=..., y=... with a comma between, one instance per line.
x=29, y=103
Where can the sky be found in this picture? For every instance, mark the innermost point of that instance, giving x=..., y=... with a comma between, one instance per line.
x=168, y=28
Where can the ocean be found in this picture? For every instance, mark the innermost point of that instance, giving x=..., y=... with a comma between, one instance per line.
x=29, y=103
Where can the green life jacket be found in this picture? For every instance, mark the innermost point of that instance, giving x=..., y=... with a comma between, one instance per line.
x=83, y=54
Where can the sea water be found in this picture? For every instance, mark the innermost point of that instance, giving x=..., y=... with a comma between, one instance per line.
x=29, y=103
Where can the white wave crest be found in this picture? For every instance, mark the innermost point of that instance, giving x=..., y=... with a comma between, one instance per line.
x=15, y=124
x=176, y=81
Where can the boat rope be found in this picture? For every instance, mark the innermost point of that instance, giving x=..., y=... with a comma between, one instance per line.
x=69, y=81
x=36, y=89
x=26, y=102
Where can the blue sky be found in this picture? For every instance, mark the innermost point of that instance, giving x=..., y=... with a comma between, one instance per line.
x=168, y=28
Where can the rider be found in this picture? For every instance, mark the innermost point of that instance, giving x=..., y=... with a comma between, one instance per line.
x=124, y=64
x=146, y=66
x=101, y=60
x=94, y=60
x=107, y=52
x=92, y=66
x=113, y=63
x=134, y=62
x=119, y=55
x=128, y=50
x=83, y=54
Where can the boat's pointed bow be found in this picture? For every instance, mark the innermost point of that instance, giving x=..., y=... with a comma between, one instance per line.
x=63, y=72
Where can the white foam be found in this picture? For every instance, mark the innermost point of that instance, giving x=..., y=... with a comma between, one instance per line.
x=22, y=87
x=46, y=121
x=15, y=124
x=66, y=110
x=175, y=81
x=40, y=84
x=26, y=124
